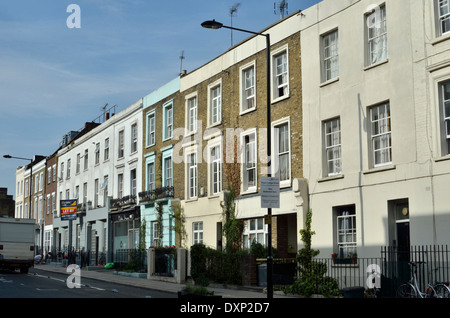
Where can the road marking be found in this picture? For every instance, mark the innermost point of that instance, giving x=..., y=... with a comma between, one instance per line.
x=64, y=281
x=5, y=281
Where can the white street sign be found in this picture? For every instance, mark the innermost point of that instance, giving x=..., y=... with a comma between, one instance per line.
x=270, y=192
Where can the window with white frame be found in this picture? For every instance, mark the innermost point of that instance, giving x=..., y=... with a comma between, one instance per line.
x=168, y=172
x=120, y=185
x=380, y=120
x=376, y=36
x=332, y=145
x=197, y=232
x=121, y=150
x=49, y=204
x=40, y=208
x=104, y=188
x=248, y=142
x=155, y=233
x=345, y=231
x=215, y=169
x=168, y=120
x=192, y=175
x=84, y=193
x=280, y=84
x=106, y=151
x=97, y=153
x=215, y=103
x=134, y=137
x=330, y=66
x=191, y=114
x=151, y=176
x=61, y=174
x=281, y=144
x=445, y=102
x=95, y=193
x=86, y=159
x=444, y=16
x=78, y=163
x=151, y=128
x=248, y=87
x=41, y=181
x=133, y=184
x=255, y=231
x=68, y=168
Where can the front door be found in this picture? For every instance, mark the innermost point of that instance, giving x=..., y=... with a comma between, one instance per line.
x=403, y=240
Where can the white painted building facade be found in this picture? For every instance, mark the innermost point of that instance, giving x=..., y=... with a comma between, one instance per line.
x=375, y=124
x=103, y=164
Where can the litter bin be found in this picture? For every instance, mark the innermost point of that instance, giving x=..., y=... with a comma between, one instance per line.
x=353, y=292
x=262, y=275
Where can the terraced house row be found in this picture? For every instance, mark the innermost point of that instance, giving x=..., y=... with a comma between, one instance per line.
x=359, y=135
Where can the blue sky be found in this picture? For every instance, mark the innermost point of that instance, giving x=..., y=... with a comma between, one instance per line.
x=53, y=78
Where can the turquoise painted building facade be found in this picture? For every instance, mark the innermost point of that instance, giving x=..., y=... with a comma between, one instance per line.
x=157, y=200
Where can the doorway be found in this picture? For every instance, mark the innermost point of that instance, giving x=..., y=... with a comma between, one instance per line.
x=402, y=230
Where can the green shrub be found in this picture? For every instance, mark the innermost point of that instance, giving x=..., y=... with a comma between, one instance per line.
x=209, y=265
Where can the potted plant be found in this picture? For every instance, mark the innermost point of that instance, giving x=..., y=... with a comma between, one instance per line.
x=334, y=257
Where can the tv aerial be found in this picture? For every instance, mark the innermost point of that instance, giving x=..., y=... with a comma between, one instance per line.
x=233, y=10
x=282, y=8
x=181, y=62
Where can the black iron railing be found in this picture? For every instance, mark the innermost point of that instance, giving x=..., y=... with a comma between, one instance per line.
x=158, y=193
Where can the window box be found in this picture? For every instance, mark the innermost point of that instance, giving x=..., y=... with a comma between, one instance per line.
x=344, y=260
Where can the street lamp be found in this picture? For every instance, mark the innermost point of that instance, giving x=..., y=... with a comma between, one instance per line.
x=31, y=179
x=213, y=24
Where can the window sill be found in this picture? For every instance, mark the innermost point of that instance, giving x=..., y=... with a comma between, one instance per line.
x=329, y=82
x=443, y=158
x=243, y=112
x=190, y=200
x=249, y=191
x=375, y=65
x=380, y=169
x=441, y=38
x=214, y=124
x=331, y=178
x=279, y=99
x=190, y=133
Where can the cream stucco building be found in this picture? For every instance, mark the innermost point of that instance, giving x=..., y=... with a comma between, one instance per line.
x=376, y=123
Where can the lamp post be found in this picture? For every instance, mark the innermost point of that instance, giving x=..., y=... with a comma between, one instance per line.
x=213, y=24
x=31, y=179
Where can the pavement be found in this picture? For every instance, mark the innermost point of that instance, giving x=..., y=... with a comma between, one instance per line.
x=115, y=277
